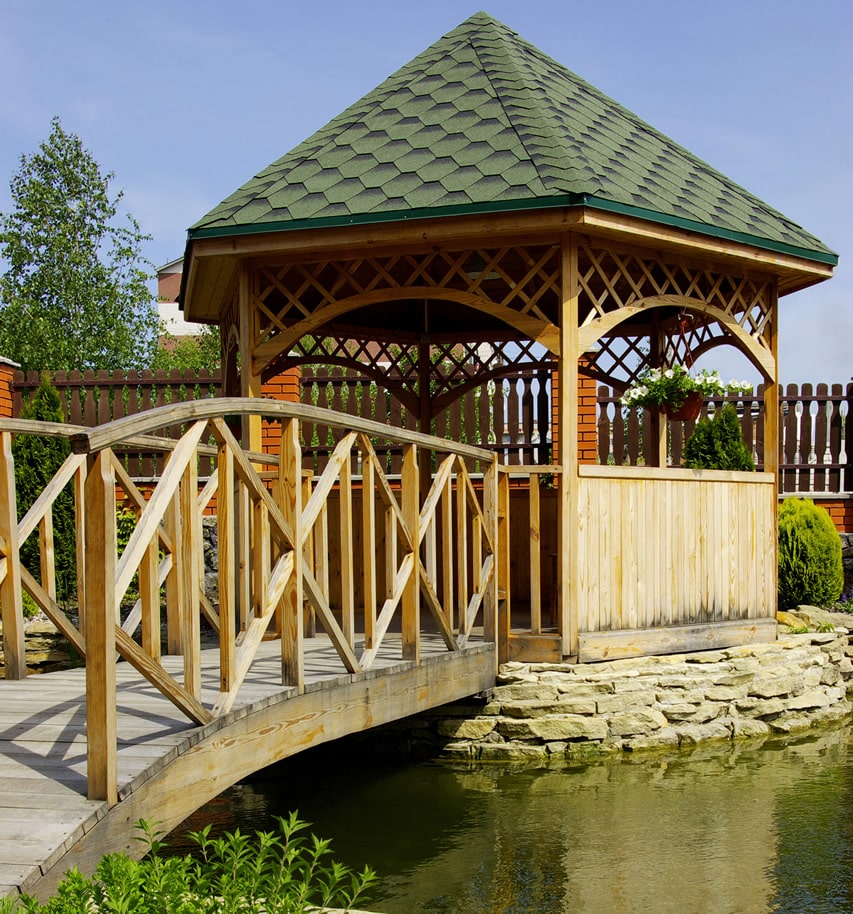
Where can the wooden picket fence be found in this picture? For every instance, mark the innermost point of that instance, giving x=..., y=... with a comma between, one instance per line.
x=816, y=431
x=510, y=417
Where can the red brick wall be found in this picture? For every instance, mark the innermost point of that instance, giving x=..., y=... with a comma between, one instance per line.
x=587, y=418
x=7, y=369
x=285, y=387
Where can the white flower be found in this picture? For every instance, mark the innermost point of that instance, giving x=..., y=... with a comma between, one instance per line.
x=669, y=373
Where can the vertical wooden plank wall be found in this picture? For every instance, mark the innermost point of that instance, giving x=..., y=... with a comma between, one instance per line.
x=663, y=548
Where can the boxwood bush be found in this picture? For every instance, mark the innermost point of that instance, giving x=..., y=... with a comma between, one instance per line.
x=810, y=566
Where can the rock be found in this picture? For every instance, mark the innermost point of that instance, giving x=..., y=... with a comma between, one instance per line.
x=636, y=722
x=608, y=704
x=693, y=734
x=570, y=727
x=511, y=752
x=524, y=692
x=466, y=729
x=744, y=728
x=816, y=698
x=773, y=685
x=665, y=738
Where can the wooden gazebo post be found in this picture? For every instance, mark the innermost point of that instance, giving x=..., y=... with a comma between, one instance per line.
x=567, y=432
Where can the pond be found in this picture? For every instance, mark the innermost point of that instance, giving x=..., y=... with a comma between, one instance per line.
x=745, y=829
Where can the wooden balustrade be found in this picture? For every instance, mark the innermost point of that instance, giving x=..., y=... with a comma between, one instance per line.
x=529, y=545
x=281, y=534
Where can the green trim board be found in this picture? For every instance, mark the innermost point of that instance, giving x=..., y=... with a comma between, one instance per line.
x=828, y=258
x=484, y=122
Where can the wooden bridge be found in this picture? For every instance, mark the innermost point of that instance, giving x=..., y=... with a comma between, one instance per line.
x=217, y=689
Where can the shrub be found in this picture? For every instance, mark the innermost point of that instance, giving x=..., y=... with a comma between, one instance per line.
x=284, y=873
x=717, y=443
x=37, y=458
x=810, y=566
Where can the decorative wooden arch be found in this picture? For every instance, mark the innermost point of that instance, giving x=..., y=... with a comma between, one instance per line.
x=759, y=355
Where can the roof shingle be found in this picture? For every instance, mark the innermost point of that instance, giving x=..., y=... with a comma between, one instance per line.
x=482, y=118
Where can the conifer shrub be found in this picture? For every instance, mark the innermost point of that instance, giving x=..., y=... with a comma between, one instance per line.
x=37, y=458
x=717, y=443
x=810, y=566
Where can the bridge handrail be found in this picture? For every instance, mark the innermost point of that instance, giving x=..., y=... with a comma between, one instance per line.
x=275, y=534
x=90, y=440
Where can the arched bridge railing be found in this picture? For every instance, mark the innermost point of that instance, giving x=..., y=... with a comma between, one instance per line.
x=416, y=552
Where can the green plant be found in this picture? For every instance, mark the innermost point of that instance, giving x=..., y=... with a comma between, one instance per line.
x=283, y=873
x=717, y=443
x=37, y=458
x=810, y=566
x=672, y=386
x=74, y=288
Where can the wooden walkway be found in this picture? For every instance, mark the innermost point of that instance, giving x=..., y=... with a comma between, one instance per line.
x=167, y=766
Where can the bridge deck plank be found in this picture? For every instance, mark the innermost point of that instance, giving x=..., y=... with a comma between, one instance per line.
x=43, y=805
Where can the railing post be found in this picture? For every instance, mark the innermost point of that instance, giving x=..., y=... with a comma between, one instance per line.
x=11, y=600
x=101, y=761
x=491, y=511
x=412, y=594
x=226, y=535
x=190, y=546
x=174, y=588
x=292, y=616
x=504, y=605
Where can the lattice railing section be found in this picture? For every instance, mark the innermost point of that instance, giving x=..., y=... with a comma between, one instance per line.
x=418, y=561
x=611, y=281
x=525, y=280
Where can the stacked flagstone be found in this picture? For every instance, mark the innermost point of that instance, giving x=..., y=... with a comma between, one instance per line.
x=539, y=710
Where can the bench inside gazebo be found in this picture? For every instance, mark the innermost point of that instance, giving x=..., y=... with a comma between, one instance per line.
x=482, y=211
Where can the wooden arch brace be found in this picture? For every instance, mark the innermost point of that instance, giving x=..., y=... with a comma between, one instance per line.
x=532, y=327
x=761, y=357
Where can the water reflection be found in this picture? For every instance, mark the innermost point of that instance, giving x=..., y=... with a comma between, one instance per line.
x=737, y=829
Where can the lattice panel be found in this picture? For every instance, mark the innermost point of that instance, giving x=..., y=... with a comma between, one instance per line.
x=610, y=280
x=523, y=279
x=456, y=367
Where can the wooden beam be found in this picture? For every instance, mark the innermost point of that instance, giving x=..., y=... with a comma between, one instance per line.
x=567, y=424
x=677, y=639
x=11, y=605
x=250, y=378
x=290, y=489
x=410, y=482
x=100, y=636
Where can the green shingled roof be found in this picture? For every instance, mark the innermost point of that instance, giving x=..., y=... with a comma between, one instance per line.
x=482, y=121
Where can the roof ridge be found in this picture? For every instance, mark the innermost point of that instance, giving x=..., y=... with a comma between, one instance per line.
x=549, y=136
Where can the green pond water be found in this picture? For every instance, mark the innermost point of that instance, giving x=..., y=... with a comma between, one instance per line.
x=746, y=829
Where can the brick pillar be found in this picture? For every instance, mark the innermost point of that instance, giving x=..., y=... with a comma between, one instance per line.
x=286, y=388
x=7, y=397
x=587, y=417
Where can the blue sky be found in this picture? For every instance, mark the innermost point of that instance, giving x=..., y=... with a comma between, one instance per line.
x=184, y=101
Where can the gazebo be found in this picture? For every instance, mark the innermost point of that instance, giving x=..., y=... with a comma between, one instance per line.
x=484, y=207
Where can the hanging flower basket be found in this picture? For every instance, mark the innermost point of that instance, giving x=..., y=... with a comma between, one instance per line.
x=677, y=393
x=689, y=409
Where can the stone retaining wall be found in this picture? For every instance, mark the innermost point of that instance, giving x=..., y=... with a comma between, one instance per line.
x=541, y=710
